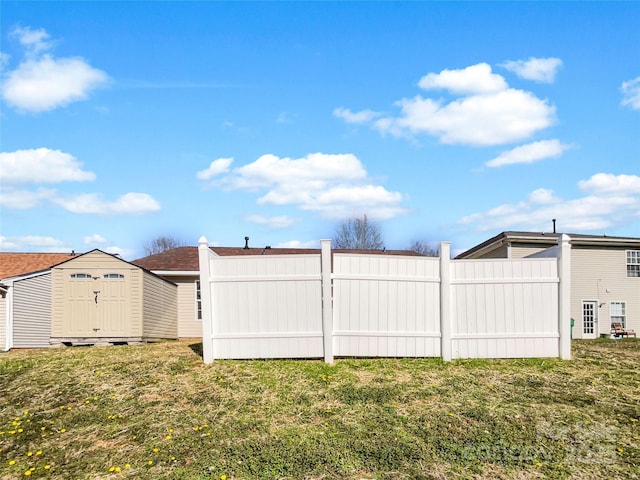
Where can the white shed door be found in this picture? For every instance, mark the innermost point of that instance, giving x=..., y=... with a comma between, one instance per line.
x=97, y=304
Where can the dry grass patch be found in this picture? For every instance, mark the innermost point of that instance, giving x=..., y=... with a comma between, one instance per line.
x=156, y=411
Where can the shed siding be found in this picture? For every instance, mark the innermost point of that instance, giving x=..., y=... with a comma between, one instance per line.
x=600, y=274
x=32, y=312
x=160, y=313
x=189, y=326
x=118, y=310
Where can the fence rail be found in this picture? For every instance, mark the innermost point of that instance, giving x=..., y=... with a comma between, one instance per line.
x=347, y=304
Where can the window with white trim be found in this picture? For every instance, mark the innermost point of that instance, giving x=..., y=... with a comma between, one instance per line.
x=618, y=313
x=198, y=301
x=113, y=275
x=79, y=276
x=633, y=263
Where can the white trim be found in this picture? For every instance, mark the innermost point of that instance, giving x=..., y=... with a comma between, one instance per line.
x=355, y=333
x=504, y=336
x=260, y=335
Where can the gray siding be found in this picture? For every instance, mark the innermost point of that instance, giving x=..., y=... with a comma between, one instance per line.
x=3, y=322
x=32, y=312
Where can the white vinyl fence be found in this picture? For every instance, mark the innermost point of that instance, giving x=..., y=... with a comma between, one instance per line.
x=347, y=304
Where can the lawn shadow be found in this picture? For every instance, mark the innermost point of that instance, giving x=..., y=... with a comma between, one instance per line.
x=197, y=348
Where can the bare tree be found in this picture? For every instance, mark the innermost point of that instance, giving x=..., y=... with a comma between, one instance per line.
x=161, y=244
x=358, y=233
x=423, y=248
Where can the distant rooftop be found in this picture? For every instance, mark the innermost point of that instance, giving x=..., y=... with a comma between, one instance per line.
x=185, y=259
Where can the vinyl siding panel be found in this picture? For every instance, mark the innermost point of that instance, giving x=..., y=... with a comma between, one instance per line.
x=160, y=313
x=78, y=312
x=189, y=326
x=524, y=250
x=3, y=322
x=600, y=274
x=32, y=312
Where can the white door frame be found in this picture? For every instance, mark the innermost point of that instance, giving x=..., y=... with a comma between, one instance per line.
x=590, y=321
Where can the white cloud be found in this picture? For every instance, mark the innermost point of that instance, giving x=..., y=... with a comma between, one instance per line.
x=530, y=153
x=487, y=112
x=95, y=239
x=543, y=196
x=4, y=60
x=31, y=242
x=333, y=185
x=41, y=165
x=271, y=222
x=15, y=199
x=42, y=82
x=537, y=69
x=355, y=117
x=129, y=203
x=611, y=201
x=122, y=252
x=608, y=183
x=631, y=92
x=34, y=41
x=298, y=244
x=475, y=79
x=216, y=167
x=492, y=119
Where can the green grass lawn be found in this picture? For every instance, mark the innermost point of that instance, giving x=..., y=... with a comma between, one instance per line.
x=156, y=411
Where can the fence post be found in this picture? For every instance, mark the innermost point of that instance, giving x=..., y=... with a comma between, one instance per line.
x=564, y=296
x=445, y=301
x=205, y=299
x=327, y=303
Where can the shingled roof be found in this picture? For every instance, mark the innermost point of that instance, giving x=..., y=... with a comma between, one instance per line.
x=15, y=264
x=185, y=259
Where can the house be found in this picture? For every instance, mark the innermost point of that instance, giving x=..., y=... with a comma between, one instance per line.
x=605, y=275
x=25, y=279
x=90, y=298
x=180, y=266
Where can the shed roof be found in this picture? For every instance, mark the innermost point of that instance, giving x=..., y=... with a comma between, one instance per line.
x=185, y=259
x=14, y=264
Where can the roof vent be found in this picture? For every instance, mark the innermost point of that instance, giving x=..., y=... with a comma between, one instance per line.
x=246, y=243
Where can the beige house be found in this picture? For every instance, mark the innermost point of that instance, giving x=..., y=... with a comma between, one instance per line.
x=91, y=298
x=605, y=275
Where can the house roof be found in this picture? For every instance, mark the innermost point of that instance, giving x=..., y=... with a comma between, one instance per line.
x=185, y=259
x=14, y=264
x=549, y=239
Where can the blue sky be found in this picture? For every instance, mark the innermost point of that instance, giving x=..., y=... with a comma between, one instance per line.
x=453, y=121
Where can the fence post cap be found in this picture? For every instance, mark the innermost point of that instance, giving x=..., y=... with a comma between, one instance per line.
x=203, y=241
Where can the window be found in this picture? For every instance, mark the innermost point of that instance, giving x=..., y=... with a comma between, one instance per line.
x=81, y=275
x=633, y=263
x=618, y=313
x=113, y=275
x=198, y=301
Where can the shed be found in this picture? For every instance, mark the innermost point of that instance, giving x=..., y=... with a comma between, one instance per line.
x=99, y=298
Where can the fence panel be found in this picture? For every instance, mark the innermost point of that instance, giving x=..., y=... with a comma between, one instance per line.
x=299, y=306
x=504, y=308
x=266, y=306
x=386, y=306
